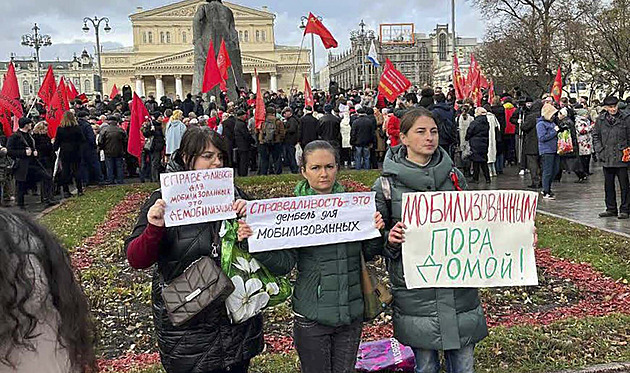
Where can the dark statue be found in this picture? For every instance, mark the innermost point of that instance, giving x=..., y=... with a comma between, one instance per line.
x=215, y=21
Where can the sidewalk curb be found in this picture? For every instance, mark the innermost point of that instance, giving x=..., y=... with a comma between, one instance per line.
x=583, y=223
x=603, y=368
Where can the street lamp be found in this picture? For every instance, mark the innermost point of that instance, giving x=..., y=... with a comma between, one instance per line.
x=36, y=41
x=362, y=37
x=303, y=26
x=96, y=23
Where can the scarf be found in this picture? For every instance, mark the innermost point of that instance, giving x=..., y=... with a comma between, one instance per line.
x=304, y=189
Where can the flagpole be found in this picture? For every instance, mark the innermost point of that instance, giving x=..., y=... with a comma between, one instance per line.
x=297, y=63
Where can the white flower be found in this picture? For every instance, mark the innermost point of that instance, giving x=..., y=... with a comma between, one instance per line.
x=272, y=288
x=223, y=230
x=248, y=267
x=246, y=301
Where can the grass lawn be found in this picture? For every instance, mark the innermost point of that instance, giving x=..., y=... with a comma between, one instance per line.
x=569, y=343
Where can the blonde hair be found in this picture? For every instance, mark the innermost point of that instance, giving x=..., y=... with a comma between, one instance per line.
x=177, y=115
x=41, y=128
x=68, y=119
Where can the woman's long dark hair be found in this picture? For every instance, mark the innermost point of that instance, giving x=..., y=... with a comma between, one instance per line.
x=22, y=241
x=195, y=141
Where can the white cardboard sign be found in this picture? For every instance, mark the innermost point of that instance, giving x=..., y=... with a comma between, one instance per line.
x=286, y=223
x=469, y=239
x=198, y=196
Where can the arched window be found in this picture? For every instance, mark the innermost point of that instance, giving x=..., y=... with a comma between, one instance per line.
x=144, y=37
x=442, y=47
x=161, y=37
x=246, y=36
x=240, y=35
x=257, y=35
x=424, y=52
x=77, y=84
x=26, y=87
x=264, y=35
x=184, y=37
x=87, y=86
x=150, y=37
x=168, y=37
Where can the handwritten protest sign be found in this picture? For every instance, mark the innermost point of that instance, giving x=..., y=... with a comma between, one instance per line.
x=198, y=196
x=469, y=239
x=285, y=223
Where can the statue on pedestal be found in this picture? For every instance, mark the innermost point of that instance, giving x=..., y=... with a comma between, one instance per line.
x=215, y=21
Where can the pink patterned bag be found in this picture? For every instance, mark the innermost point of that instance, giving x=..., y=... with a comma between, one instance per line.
x=386, y=354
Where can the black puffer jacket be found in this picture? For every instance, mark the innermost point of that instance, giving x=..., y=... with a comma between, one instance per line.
x=478, y=136
x=208, y=341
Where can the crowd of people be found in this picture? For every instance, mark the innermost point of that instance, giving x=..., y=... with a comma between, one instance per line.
x=423, y=141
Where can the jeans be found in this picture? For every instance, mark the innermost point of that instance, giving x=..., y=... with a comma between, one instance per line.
x=289, y=157
x=500, y=162
x=114, y=167
x=326, y=349
x=362, y=158
x=457, y=361
x=620, y=173
x=550, y=168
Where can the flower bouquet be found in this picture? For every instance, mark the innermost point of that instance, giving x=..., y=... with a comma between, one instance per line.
x=255, y=286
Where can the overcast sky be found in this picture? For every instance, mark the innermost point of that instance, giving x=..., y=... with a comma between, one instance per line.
x=63, y=21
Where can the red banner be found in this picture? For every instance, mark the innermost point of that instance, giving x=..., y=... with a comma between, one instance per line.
x=315, y=26
x=556, y=90
x=223, y=63
x=139, y=115
x=114, y=92
x=308, y=94
x=58, y=106
x=212, y=75
x=10, y=101
x=49, y=86
x=260, y=110
x=392, y=82
x=458, y=80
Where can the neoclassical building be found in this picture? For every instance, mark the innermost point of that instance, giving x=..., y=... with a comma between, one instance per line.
x=161, y=60
x=80, y=70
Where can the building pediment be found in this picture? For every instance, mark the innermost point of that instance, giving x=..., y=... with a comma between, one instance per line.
x=188, y=8
x=180, y=58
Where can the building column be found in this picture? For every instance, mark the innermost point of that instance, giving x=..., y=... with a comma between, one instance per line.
x=179, y=86
x=274, y=82
x=159, y=87
x=139, y=86
x=254, y=83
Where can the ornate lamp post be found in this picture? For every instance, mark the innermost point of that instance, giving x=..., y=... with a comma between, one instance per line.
x=36, y=41
x=96, y=23
x=362, y=37
x=303, y=21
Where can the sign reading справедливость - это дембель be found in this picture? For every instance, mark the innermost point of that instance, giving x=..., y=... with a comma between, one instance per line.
x=469, y=239
x=198, y=196
x=286, y=223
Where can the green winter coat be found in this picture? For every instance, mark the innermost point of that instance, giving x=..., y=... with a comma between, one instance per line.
x=431, y=319
x=328, y=285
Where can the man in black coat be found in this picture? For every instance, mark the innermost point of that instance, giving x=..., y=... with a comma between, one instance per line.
x=113, y=142
x=243, y=140
x=444, y=116
x=228, y=133
x=330, y=128
x=611, y=136
x=362, y=138
x=308, y=127
x=90, y=168
x=291, y=137
x=27, y=169
x=530, y=144
x=151, y=104
x=188, y=105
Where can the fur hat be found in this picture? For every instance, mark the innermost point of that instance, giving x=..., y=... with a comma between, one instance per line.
x=548, y=111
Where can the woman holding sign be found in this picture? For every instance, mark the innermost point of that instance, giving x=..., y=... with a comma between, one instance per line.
x=327, y=299
x=208, y=342
x=428, y=320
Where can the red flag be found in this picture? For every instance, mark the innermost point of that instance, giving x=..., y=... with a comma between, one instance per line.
x=474, y=81
x=139, y=115
x=556, y=90
x=491, y=92
x=83, y=97
x=10, y=101
x=49, y=86
x=315, y=26
x=483, y=82
x=58, y=106
x=212, y=75
x=260, y=111
x=308, y=94
x=458, y=80
x=114, y=92
x=223, y=62
x=392, y=82
x=72, y=90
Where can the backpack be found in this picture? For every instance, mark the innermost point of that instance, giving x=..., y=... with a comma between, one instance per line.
x=269, y=131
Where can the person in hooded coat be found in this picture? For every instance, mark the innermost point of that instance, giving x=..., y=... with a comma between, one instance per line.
x=478, y=137
x=433, y=319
